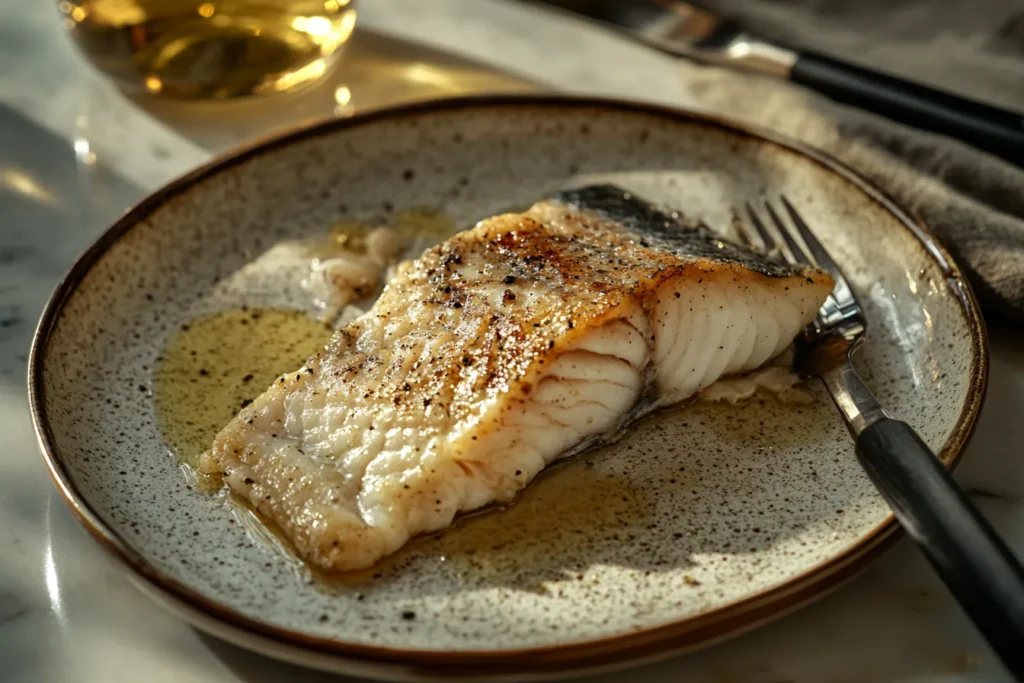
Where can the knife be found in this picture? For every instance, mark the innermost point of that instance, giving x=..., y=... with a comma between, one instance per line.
x=684, y=30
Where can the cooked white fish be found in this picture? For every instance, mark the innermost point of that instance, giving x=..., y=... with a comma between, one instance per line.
x=502, y=349
x=344, y=276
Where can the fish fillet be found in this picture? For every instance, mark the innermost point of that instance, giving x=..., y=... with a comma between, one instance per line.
x=504, y=348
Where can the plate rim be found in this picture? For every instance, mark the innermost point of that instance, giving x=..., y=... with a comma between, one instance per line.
x=593, y=654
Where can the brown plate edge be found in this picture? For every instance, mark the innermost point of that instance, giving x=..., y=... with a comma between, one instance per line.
x=644, y=645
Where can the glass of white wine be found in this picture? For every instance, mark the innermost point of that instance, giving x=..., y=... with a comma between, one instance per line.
x=219, y=49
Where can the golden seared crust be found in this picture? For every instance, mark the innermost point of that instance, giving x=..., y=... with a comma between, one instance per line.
x=494, y=300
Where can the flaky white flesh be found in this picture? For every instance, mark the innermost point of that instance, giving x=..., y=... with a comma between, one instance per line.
x=491, y=356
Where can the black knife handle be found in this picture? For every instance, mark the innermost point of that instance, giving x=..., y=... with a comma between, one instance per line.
x=975, y=564
x=994, y=130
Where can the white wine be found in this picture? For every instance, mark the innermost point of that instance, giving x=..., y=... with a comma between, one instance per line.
x=212, y=50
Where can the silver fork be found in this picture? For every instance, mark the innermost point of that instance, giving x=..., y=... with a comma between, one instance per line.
x=962, y=547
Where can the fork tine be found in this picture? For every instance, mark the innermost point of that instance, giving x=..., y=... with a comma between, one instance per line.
x=742, y=231
x=762, y=231
x=813, y=244
x=794, y=248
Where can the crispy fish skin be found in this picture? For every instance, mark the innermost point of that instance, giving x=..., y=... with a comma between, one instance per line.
x=495, y=353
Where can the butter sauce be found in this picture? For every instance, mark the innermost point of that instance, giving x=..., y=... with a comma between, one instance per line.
x=215, y=364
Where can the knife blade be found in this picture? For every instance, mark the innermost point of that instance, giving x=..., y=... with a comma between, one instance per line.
x=685, y=30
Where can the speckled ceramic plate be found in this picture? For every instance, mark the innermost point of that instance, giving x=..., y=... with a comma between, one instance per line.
x=704, y=522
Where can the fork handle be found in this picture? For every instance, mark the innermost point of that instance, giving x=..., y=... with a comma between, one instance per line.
x=964, y=549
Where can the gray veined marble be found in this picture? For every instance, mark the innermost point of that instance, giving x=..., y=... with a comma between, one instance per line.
x=74, y=154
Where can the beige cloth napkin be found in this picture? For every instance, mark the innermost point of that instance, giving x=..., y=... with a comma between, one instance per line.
x=972, y=201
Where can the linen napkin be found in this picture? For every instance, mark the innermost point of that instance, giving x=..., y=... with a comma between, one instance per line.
x=972, y=201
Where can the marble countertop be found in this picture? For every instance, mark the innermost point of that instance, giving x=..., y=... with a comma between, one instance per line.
x=74, y=153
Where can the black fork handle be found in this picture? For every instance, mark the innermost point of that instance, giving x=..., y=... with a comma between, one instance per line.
x=961, y=545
